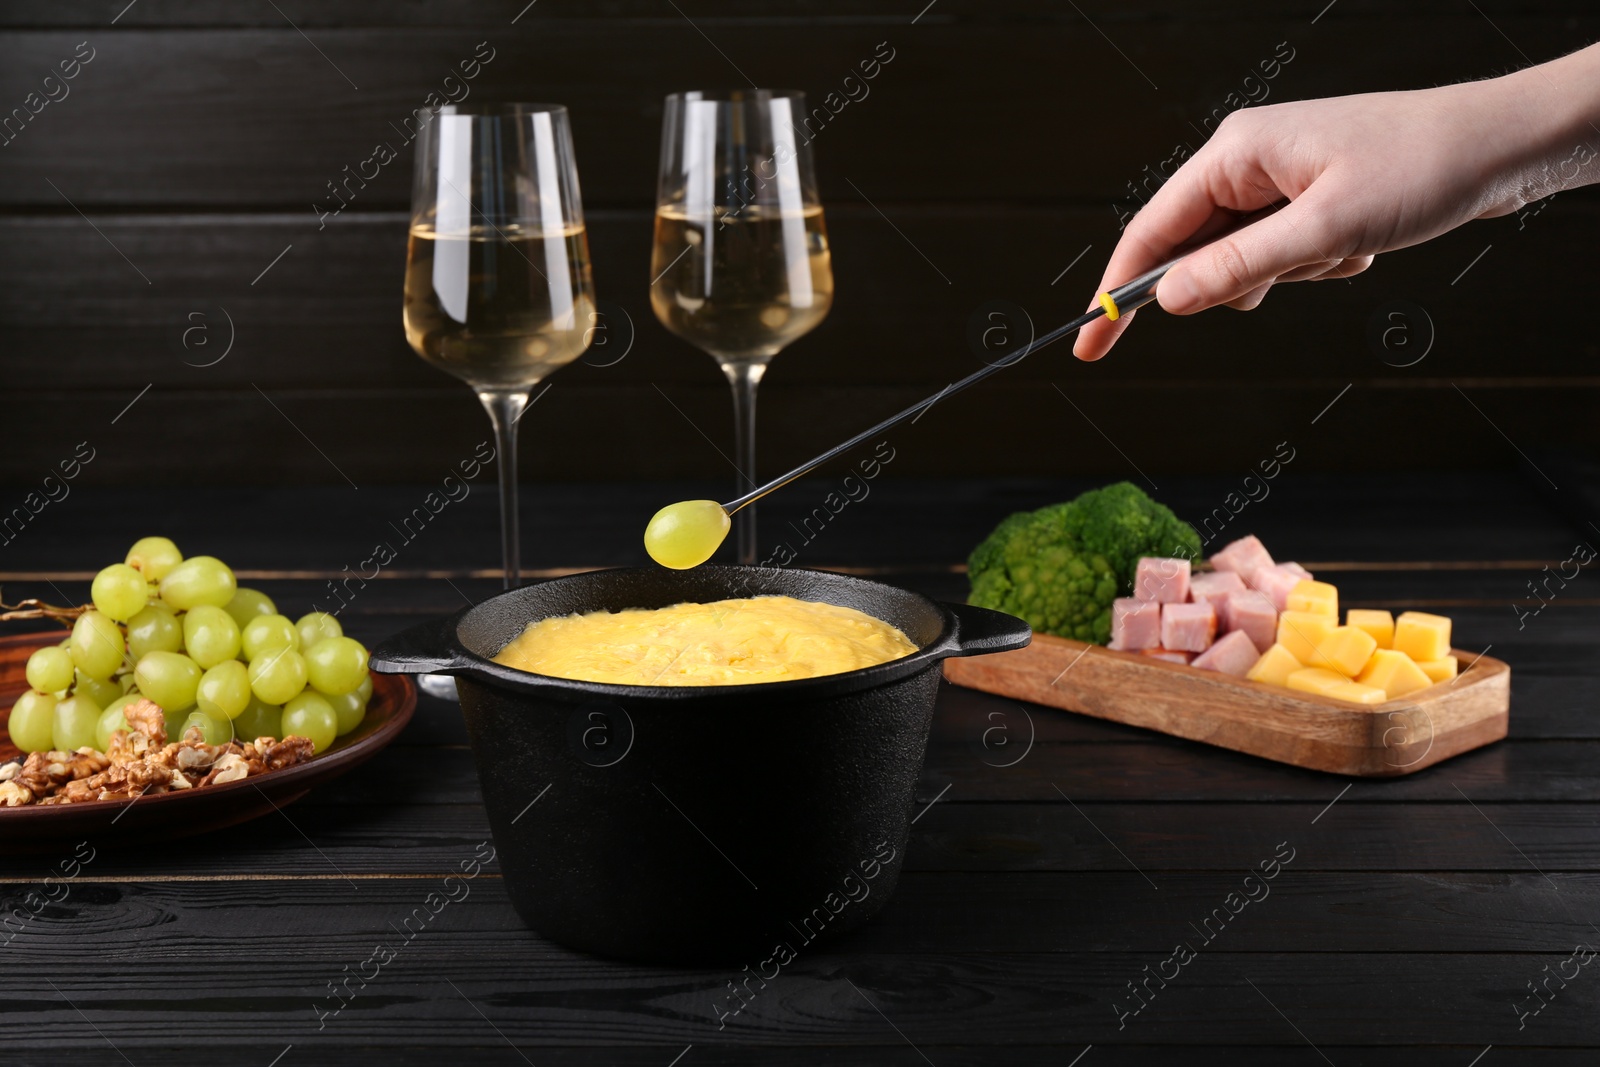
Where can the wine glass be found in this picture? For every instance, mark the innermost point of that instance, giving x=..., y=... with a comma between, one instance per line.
x=740, y=264
x=498, y=290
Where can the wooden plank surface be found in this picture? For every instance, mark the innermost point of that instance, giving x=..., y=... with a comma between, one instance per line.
x=1415, y=913
x=202, y=115
x=66, y=290
x=503, y=1054
x=1407, y=923
x=224, y=125
x=318, y=336
x=434, y=767
x=192, y=14
x=1046, y=834
x=1108, y=911
x=937, y=998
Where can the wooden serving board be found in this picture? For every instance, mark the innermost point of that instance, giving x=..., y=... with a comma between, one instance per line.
x=1318, y=733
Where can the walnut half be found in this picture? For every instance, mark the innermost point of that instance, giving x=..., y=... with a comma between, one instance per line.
x=14, y=794
x=230, y=768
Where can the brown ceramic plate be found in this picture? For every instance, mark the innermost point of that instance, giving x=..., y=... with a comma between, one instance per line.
x=190, y=811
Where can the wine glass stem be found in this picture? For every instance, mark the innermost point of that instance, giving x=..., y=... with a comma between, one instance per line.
x=505, y=407
x=744, y=376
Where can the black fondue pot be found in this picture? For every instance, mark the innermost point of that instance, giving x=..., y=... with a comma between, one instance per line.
x=697, y=824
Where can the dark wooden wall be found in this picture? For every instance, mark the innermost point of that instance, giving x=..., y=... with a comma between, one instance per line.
x=998, y=141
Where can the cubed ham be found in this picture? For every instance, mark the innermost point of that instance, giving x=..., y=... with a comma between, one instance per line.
x=1253, y=614
x=1213, y=587
x=1274, y=582
x=1234, y=653
x=1188, y=627
x=1161, y=579
x=1301, y=571
x=1171, y=655
x=1243, y=557
x=1135, y=624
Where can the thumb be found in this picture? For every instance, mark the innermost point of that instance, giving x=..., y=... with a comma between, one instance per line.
x=1232, y=266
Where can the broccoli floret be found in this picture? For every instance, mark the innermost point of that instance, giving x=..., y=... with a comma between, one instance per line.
x=990, y=553
x=1122, y=523
x=1030, y=568
x=1060, y=567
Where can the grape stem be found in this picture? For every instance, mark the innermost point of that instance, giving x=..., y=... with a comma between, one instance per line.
x=38, y=609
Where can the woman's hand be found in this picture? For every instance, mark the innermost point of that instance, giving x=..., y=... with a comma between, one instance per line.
x=1362, y=175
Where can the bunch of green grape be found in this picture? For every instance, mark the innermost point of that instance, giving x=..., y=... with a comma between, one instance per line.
x=180, y=632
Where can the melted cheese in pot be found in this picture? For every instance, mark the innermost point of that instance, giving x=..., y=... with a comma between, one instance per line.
x=728, y=642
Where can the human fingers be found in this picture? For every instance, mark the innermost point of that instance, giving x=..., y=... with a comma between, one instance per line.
x=1251, y=300
x=1316, y=272
x=1302, y=234
x=1207, y=196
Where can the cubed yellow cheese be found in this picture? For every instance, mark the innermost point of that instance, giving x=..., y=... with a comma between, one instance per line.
x=1380, y=624
x=1319, y=597
x=1316, y=680
x=1357, y=693
x=1439, y=670
x=1300, y=632
x=1394, y=673
x=1345, y=650
x=1274, y=666
x=1422, y=636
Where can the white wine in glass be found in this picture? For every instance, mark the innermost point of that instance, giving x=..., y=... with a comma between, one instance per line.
x=498, y=289
x=740, y=263
x=479, y=306
x=768, y=280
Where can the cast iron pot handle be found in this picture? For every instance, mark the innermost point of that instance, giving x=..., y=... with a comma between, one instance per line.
x=980, y=631
x=427, y=648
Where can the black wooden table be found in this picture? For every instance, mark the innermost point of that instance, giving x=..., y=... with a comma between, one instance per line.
x=1444, y=918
